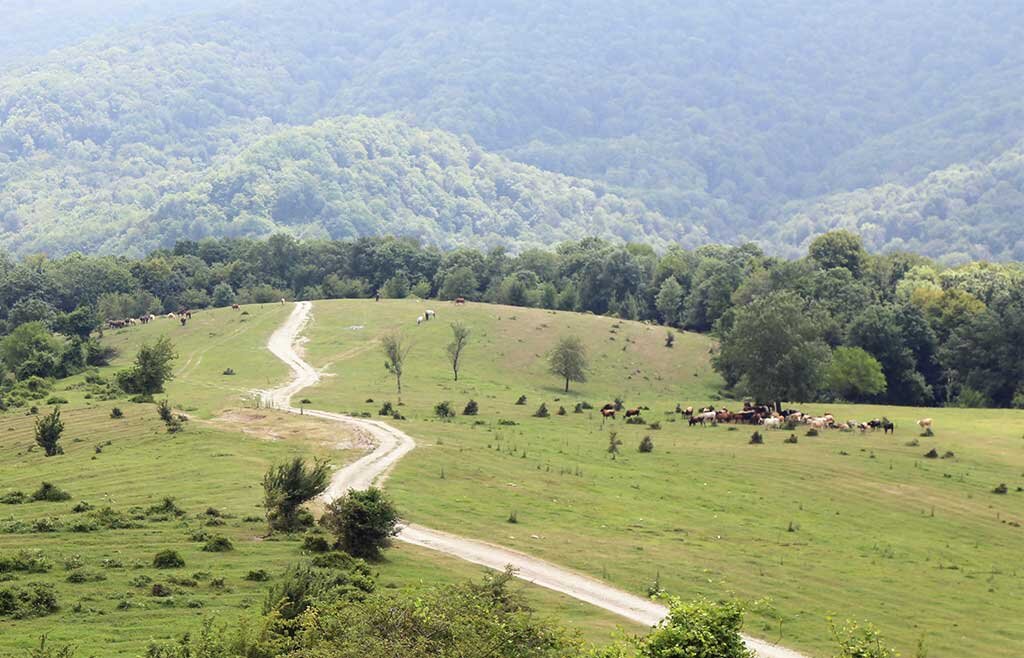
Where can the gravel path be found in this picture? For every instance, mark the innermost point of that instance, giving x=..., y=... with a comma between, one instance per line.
x=392, y=444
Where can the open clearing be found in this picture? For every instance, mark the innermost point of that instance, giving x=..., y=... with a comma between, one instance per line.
x=856, y=525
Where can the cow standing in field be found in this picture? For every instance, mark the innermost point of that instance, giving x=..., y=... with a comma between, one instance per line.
x=419, y=320
x=608, y=413
x=183, y=320
x=429, y=315
x=235, y=307
x=925, y=424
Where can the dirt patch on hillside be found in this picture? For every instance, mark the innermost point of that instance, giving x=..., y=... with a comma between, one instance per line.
x=272, y=425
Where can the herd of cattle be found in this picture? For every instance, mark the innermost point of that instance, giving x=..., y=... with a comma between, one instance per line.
x=182, y=316
x=764, y=416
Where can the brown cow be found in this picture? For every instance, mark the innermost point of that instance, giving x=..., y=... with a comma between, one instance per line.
x=632, y=412
x=608, y=413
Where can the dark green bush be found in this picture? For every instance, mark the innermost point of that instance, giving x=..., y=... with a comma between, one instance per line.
x=646, y=445
x=471, y=409
x=218, y=544
x=444, y=410
x=51, y=493
x=29, y=600
x=168, y=559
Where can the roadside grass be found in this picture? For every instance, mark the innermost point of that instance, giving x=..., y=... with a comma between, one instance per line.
x=859, y=526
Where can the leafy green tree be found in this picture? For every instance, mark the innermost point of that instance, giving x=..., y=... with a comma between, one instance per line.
x=698, y=628
x=839, y=249
x=460, y=282
x=288, y=486
x=460, y=338
x=857, y=641
x=79, y=323
x=775, y=350
x=568, y=360
x=397, y=287
x=48, y=432
x=223, y=295
x=854, y=374
x=31, y=350
x=881, y=331
x=151, y=369
x=669, y=301
x=363, y=522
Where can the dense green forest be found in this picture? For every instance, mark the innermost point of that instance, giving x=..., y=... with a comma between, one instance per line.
x=698, y=122
x=838, y=323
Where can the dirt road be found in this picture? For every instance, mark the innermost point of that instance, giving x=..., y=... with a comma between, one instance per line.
x=392, y=444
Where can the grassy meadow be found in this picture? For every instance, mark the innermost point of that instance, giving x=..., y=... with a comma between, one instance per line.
x=859, y=526
x=104, y=577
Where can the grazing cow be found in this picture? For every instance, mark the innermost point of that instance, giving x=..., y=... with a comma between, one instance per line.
x=171, y=316
x=632, y=412
x=695, y=420
x=419, y=320
x=608, y=413
x=709, y=416
x=183, y=320
x=460, y=300
x=925, y=423
x=429, y=314
x=874, y=424
x=688, y=412
x=772, y=423
x=282, y=300
x=817, y=423
x=724, y=416
x=235, y=307
x=888, y=426
x=607, y=407
x=144, y=319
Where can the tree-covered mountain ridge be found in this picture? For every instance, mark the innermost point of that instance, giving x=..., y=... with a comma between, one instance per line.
x=755, y=123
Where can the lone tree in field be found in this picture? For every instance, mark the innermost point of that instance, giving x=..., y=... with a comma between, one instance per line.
x=460, y=337
x=151, y=370
x=286, y=487
x=362, y=521
x=48, y=431
x=395, y=351
x=569, y=360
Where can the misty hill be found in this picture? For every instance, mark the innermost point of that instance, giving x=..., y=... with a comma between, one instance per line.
x=720, y=117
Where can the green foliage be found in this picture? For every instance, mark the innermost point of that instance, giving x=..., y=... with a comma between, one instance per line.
x=302, y=586
x=48, y=430
x=218, y=544
x=697, y=628
x=168, y=559
x=471, y=409
x=857, y=641
x=151, y=369
x=363, y=522
x=31, y=350
x=444, y=410
x=286, y=487
x=646, y=445
x=568, y=360
x=542, y=411
x=50, y=493
x=460, y=338
x=855, y=375
x=27, y=601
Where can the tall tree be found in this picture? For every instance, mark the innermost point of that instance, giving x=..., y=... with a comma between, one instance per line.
x=569, y=360
x=854, y=374
x=286, y=487
x=48, y=431
x=460, y=338
x=774, y=351
x=151, y=370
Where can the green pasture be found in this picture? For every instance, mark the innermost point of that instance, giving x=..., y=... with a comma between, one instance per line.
x=859, y=526
x=131, y=464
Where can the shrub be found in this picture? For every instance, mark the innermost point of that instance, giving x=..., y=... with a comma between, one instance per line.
x=25, y=562
x=168, y=559
x=165, y=508
x=860, y=642
x=654, y=426
x=932, y=454
x=521, y=400
x=585, y=405
x=578, y=409
x=160, y=590
x=949, y=454
x=542, y=411
x=29, y=600
x=1001, y=489
x=756, y=438
x=174, y=425
x=56, y=399
x=506, y=422
x=927, y=433
x=913, y=443
x=646, y=445
x=561, y=411
x=513, y=517
x=228, y=372
x=471, y=409
x=362, y=521
x=444, y=410
x=811, y=432
x=635, y=420
x=47, y=431
x=77, y=577
x=791, y=439
x=50, y=492
x=698, y=628
x=670, y=338
x=387, y=409
x=258, y=576
x=14, y=498
x=46, y=525
x=314, y=542
x=164, y=410
x=218, y=544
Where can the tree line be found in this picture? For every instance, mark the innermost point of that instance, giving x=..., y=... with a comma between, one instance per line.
x=839, y=323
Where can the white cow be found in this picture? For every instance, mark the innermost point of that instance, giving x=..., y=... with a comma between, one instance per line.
x=772, y=423
x=429, y=315
x=419, y=320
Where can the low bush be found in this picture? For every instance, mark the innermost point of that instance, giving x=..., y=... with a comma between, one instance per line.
x=932, y=454
x=811, y=432
x=542, y=411
x=561, y=411
x=80, y=576
x=166, y=508
x=168, y=559
x=116, y=413
x=25, y=562
x=160, y=590
x=635, y=420
x=29, y=600
x=229, y=372
x=444, y=410
x=646, y=445
x=791, y=439
x=522, y=400
x=1001, y=489
x=218, y=544
x=50, y=493
x=756, y=438
x=14, y=498
x=164, y=410
x=258, y=576
x=387, y=409
x=56, y=399
x=315, y=542
x=471, y=409
x=654, y=426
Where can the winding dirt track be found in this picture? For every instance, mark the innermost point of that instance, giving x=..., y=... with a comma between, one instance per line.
x=392, y=445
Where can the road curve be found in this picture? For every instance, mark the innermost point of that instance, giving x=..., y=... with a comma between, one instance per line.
x=392, y=444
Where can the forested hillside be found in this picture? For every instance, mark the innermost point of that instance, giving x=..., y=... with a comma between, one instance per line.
x=727, y=119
